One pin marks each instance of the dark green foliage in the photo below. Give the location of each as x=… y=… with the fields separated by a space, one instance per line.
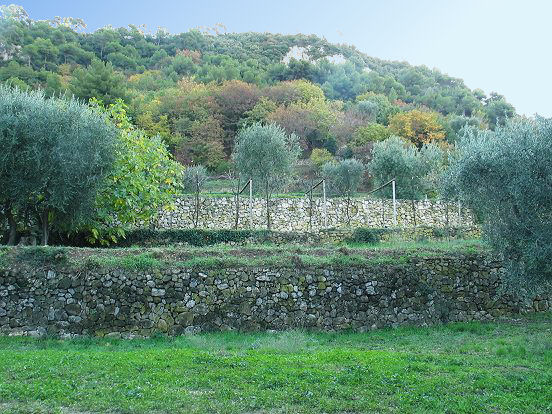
x=194 y=237
x=98 y=81
x=41 y=256
x=367 y=235
x=153 y=72
x=497 y=110
x=504 y=176
x=251 y=57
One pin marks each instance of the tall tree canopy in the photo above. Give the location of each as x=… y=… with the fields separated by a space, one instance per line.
x=412 y=169
x=505 y=177
x=54 y=159
x=144 y=179
x=266 y=154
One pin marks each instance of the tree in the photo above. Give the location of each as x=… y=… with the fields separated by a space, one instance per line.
x=98 y=81
x=343 y=178
x=395 y=158
x=419 y=127
x=321 y=156
x=193 y=181
x=259 y=113
x=55 y=157
x=370 y=133
x=203 y=144
x=42 y=53
x=308 y=91
x=497 y=110
x=266 y=154
x=15 y=82
x=234 y=99
x=310 y=121
x=504 y=177
x=376 y=105
x=144 y=179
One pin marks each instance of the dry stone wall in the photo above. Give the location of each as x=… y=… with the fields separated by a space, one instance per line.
x=298 y=215
x=175 y=300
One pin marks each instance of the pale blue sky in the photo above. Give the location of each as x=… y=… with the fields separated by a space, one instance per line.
x=495 y=45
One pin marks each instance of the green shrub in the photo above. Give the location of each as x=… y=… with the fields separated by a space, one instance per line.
x=194 y=237
x=3 y=260
x=41 y=256
x=367 y=235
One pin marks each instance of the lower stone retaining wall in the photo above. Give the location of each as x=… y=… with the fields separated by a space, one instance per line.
x=421 y=291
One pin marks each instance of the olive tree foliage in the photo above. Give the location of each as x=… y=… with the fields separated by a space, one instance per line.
x=505 y=177
x=266 y=154
x=55 y=155
x=414 y=170
x=194 y=179
x=344 y=178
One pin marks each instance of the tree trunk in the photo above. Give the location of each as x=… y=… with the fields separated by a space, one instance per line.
x=347 y=211
x=310 y=205
x=237 y=199
x=196 y=218
x=267 y=207
x=447 y=220
x=12 y=226
x=45 y=229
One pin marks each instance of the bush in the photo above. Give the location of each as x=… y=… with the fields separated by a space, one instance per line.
x=370 y=133
x=41 y=256
x=367 y=235
x=194 y=237
x=321 y=156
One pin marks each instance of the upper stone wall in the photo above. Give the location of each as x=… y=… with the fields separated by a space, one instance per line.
x=298 y=215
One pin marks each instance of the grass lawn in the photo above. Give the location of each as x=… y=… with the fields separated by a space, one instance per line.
x=503 y=367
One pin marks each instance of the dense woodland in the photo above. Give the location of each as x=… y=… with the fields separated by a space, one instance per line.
x=197 y=89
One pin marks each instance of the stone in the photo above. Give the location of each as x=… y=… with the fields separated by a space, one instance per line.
x=73 y=309
x=184 y=319
x=432 y=290
x=64 y=283
x=157 y=292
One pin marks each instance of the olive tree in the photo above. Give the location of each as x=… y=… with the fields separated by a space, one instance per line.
x=413 y=169
x=266 y=154
x=194 y=179
x=55 y=155
x=343 y=179
x=505 y=177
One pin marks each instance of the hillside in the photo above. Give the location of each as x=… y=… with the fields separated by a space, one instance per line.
x=197 y=89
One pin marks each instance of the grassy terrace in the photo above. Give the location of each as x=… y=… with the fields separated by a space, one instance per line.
x=228 y=256
x=503 y=367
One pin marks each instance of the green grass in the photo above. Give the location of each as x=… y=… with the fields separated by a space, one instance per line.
x=503 y=367
x=253 y=255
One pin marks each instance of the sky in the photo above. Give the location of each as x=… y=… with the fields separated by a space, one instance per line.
x=495 y=45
